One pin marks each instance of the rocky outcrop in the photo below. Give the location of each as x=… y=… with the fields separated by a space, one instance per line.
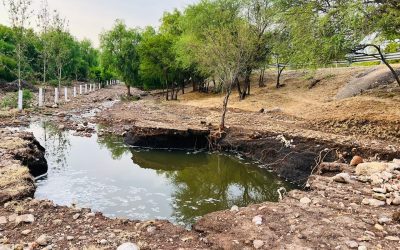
x=21 y=158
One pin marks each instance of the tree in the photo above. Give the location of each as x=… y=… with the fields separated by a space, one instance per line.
x=60 y=43
x=19 y=14
x=43 y=22
x=119 y=53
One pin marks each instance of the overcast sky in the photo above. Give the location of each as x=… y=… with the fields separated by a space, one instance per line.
x=88 y=18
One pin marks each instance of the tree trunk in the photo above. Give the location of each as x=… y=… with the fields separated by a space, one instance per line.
x=19 y=66
x=238 y=87
x=246 y=88
x=261 y=79
x=129 y=90
x=278 y=79
x=225 y=106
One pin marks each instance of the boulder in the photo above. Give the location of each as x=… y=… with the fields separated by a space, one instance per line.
x=356 y=160
x=369 y=168
x=342 y=178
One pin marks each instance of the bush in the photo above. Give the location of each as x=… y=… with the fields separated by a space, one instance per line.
x=11 y=99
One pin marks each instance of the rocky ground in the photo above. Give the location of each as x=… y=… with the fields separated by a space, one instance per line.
x=345 y=204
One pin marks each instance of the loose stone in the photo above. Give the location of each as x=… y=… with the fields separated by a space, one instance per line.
x=43 y=240
x=234 y=208
x=258 y=244
x=257 y=220
x=342 y=178
x=128 y=246
x=305 y=200
x=352 y=244
x=27 y=218
x=26 y=232
x=3 y=220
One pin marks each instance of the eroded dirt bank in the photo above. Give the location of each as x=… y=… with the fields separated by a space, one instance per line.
x=355 y=209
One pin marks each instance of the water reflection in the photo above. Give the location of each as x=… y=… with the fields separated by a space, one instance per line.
x=106 y=175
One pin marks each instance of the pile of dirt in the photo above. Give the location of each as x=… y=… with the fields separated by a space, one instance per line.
x=13 y=86
x=21 y=158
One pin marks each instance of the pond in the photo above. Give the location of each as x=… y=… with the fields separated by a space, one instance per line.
x=104 y=174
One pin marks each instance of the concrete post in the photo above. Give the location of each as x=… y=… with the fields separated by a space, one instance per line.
x=66 y=94
x=40 y=97
x=20 y=101
x=80 y=89
x=55 y=95
x=86 y=88
x=74 y=91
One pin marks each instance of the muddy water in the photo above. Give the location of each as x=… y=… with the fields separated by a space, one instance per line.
x=108 y=176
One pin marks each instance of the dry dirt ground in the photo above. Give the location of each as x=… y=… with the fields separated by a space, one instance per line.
x=357 y=209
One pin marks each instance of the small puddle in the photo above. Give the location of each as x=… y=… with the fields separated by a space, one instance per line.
x=108 y=176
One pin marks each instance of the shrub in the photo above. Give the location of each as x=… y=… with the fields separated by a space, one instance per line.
x=11 y=99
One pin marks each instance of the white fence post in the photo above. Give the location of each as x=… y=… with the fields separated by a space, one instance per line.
x=66 y=94
x=74 y=91
x=85 y=88
x=20 y=102
x=80 y=89
x=55 y=95
x=99 y=85
x=90 y=87
x=40 y=97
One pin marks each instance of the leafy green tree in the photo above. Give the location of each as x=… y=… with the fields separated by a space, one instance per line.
x=119 y=47
x=19 y=15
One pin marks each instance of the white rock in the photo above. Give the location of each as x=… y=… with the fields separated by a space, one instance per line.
x=26 y=232
x=352 y=244
x=3 y=220
x=362 y=248
x=305 y=200
x=384 y=220
x=376 y=203
x=342 y=178
x=378 y=227
x=257 y=220
x=103 y=241
x=43 y=240
x=27 y=218
x=234 y=208
x=396 y=201
x=258 y=244
x=128 y=246
x=379 y=196
x=379 y=190
x=392 y=238
x=76 y=216
x=69 y=238
x=90 y=215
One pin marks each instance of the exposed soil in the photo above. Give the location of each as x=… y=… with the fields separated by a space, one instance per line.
x=299 y=131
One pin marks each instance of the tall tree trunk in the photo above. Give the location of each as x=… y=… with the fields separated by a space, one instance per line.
x=278 y=79
x=261 y=82
x=238 y=86
x=19 y=66
x=225 y=106
x=129 y=90
x=246 y=88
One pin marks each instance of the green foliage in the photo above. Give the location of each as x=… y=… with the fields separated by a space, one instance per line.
x=11 y=99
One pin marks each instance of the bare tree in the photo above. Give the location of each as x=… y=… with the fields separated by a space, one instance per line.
x=360 y=50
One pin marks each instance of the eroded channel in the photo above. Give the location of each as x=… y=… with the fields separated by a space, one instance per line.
x=104 y=174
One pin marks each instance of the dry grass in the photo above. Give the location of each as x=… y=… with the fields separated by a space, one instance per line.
x=12 y=143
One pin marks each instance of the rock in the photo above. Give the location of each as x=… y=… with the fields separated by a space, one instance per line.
x=384 y=220
x=392 y=238
x=235 y=209
x=396 y=201
x=378 y=196
x=43 y=240
x=369 y=168
x=352 y=244
x=342 y=178
x=375 y=203
x=379 y=190
x=305 y=200
x=128 y=246
x=356 y=160
x=69 y=238
x=3 y=220
x=257 y=220
x=90 y=215
x=57 y=222
x=258 y=244
x=26 y=232
x=103 y=241
x=362 y=248
x=27 y=218
x=378 y=227
x=76 y=216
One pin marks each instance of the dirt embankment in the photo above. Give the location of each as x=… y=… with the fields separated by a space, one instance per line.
x=21 y=158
